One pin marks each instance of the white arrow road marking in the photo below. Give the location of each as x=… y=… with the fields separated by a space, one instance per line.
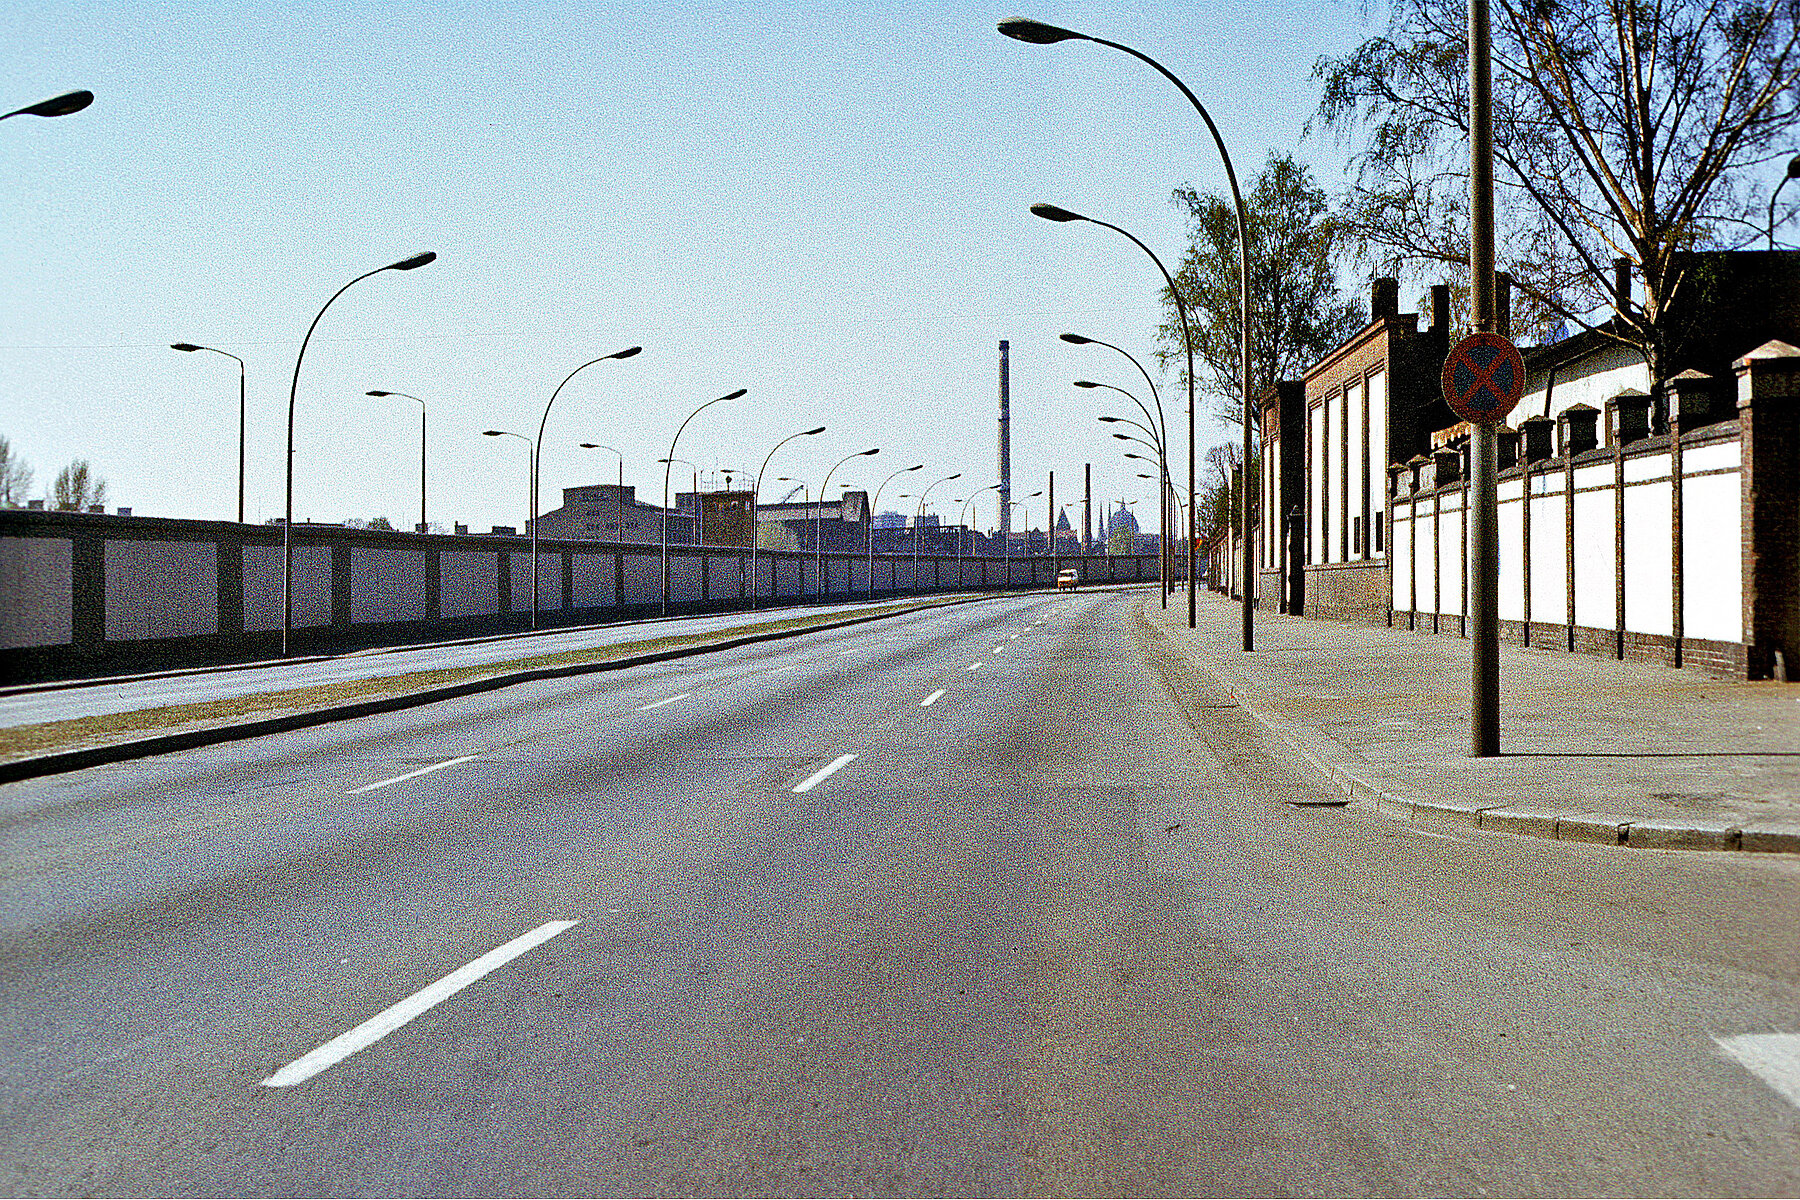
x=448 y=762
x=819 y=776
x=1773 y=1058
x=385 y=1022
x=932 y=699
x=660 y=703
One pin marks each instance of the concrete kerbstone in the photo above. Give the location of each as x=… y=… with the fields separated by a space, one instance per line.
x=1455 y=812
x=1601 y=829
x=1534 y=822
x=1771 y=837
x=1687 y=833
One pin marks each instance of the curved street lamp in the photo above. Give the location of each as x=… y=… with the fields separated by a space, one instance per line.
x=819 y=518
x=1161 y=423
x=962 y=523
x=537 y=459
x=1161 y=447
x=422 y=526
x=755 y=492
x=287 y=523
x=189 y=348
x=919 y=525
x=872 y=502
x=530 y=461
x=56 y=106
x=1793 y=172
x=665 y=496
x=619 y=498
x=1024 y=534
x=1038 y=33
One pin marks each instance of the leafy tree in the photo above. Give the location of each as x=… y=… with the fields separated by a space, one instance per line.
x=381 y=523
x=1218 y=501
x=1296 y=313
x=77 y=487
x=15 y=476
x=1627 y=129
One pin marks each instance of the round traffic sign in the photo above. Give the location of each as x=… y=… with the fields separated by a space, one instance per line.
x=1484 y=376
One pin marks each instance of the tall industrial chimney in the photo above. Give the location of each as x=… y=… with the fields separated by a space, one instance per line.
x=1005 y=447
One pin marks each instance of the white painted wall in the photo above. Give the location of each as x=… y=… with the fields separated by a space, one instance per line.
x=387 y=585
x=468 y=583
x=262 y=587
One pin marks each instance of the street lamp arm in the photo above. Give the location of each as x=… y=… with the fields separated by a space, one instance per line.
x=1162 y=422
x=626 y=353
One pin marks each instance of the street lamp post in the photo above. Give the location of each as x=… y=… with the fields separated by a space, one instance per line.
x=619 y=497
x=919 y=525
x=819 y=518
x=872 y=510
x=665 y=496
x=189 y=347
x=538 y=458
x=1161 y=447
x=1024 y=534
x=287 y=523
x=531 y=461
x=421 y=404
x=755 y=491
x=962 y=523
x=1793 y=172
x=56 y=106
x=1038 y=33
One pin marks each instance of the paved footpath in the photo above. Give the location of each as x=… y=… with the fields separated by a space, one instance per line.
x=1592 y=749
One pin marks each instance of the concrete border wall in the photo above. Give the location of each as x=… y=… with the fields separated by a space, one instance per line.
x=84 y=591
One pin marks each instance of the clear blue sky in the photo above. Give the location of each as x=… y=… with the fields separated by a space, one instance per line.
x=825 y=204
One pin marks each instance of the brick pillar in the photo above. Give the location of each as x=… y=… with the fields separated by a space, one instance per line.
x=1768 y=402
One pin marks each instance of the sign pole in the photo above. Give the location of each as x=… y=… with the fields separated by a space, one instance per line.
x=1484 y=523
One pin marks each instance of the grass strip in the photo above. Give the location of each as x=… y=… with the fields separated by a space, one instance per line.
x=22 y=741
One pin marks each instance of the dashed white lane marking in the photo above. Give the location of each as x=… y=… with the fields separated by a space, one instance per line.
x=852 y=650
x=660 y=703
x=974 y=666
x=448 y=762
x=385 y=1022
x=819 y=776
x=999 y=648
x=1773 y=1058
x=1011 y=636
x=789 y=667
x=932 y=699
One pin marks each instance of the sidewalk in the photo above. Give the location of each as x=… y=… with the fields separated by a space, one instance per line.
x=1592 y=749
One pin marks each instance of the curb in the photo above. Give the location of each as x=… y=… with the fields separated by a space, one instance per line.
x=63 y=761
x=1351 y=775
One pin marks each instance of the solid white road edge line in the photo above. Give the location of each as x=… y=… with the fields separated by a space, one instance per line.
x=385 y=1022
x=448 y=762
x=660 y=703
x=819 y=776
x=1773 y=1058
x=932 y=699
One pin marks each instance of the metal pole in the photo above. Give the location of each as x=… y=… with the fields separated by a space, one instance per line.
x=243 y=427
x=1484 y=525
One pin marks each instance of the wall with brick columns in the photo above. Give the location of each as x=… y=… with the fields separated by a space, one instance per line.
x=1768 y=401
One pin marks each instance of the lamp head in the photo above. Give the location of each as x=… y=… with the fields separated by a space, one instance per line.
x=56 y=106
x=590 y=445
x=948 y=478
x=1123 y=437
x=1793 y=170
x=736 y=394
x=493 y=433
x=378 y=393
x=810 y=432
x=1024 y=29
x=1075 y=339
x=627 y=352
x=1109 y=420
x=1052 y=213
x=866 y=453
x=184 y=346
x=417 y=260
x=1086 y=383
x=916 y=467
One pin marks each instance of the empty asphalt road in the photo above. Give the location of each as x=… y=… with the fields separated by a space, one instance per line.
x=999 y=898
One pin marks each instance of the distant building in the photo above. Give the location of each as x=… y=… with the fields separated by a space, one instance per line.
x=606 y=512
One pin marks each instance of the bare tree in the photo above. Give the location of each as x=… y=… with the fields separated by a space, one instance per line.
x=77 y=487
x=1623 y=129
x=1296 y=314
x=15 y=476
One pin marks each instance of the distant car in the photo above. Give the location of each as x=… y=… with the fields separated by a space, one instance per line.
x=1068 y=580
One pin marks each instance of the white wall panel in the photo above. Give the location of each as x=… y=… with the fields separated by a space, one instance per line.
x=469 y=583
x=37 y=587
x=1649 y=591
x=387 y=585
x=262 y=587
x=1595 y=604
x=1712 y=558
x=591 y=583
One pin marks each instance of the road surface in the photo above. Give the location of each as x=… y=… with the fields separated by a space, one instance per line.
x=993 y=899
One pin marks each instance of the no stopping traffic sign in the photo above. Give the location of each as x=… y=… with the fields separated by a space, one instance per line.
x=1484 y=377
